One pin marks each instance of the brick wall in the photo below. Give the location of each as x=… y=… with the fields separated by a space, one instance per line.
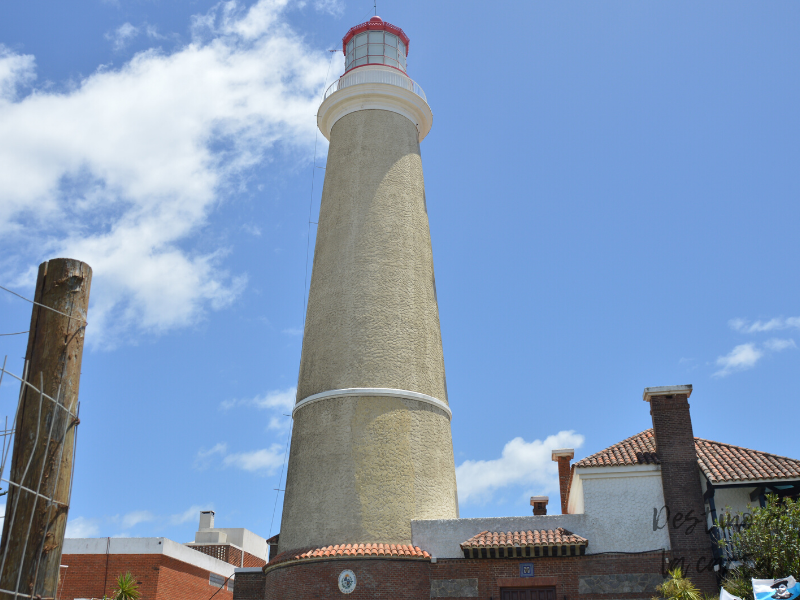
x=376 y=579
x=250 y=586
x=591 y=577
x=229 y=554
x=161 y=577
x=684 y=510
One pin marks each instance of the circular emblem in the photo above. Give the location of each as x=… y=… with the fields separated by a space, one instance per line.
x=347 y=581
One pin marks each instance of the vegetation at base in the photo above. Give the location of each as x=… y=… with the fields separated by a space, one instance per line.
x=678 y=587
x=766 y=546
x=127 y=588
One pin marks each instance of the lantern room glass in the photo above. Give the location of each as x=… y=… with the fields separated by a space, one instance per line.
x=376 y=48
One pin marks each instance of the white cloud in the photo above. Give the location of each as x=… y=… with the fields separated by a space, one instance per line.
x=266 y=460
x=124 y=170
x=292 y=331
x=190 y=514
x=333 y=7
x=745 y=356
x=81 y=527
x=203 y=458
x=16 y=70
x=134 y=518
x=778 y=323
x=521 y=463
x=122 y=35
x=281 y=402
x=776 y=345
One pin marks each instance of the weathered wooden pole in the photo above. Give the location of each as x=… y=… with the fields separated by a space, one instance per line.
x=41 y=463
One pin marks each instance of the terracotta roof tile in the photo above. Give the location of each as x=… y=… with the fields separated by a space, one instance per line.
x=542 y=537
x=721 y=463
x=365 y=550
x=639 y=449
x=725 y=462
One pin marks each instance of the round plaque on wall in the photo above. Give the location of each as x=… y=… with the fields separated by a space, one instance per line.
x=347 y=581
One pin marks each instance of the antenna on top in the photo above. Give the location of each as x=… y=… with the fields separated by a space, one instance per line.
x=375 y=6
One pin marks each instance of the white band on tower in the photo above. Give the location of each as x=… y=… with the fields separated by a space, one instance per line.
x=391 y=392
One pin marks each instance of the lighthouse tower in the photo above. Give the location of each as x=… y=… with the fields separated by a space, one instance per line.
x=371 y=444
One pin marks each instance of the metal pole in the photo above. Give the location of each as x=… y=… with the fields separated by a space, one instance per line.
x=44 y=441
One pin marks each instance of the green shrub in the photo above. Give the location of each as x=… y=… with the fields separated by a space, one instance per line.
x=767 y=546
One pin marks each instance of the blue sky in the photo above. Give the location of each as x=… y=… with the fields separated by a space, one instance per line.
x=613 y=197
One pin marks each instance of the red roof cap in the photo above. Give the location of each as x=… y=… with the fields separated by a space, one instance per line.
x=374 y=24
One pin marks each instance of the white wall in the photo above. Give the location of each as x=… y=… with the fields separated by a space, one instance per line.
x=148 y=546
x=619 y=503
x=732 y=500
x=247 y=540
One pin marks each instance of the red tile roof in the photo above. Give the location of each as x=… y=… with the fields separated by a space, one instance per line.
x=724 y=462
x=639 y=449
x=721 y=463
x=357 y=550
x=542 y=537
x=352 y=551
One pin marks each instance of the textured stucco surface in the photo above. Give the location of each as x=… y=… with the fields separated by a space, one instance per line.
x=372 y=316
x=361 y=468
x=618 y=505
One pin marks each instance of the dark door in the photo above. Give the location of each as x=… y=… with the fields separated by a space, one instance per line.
x=542 y=593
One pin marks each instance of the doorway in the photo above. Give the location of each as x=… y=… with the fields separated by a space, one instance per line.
x=534 y=593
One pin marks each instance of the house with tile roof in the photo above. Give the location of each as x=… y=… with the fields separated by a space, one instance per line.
x=732 y=480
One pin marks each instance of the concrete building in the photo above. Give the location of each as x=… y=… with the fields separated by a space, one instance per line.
x=371 y=506
x=237 y=546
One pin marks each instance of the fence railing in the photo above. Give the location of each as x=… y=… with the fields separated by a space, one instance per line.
x=359 y=76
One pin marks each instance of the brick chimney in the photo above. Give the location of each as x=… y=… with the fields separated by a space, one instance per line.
x=539 y=504
x=683 y=497
x=562 y=457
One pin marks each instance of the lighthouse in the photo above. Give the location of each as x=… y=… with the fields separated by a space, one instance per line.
x=371 y=444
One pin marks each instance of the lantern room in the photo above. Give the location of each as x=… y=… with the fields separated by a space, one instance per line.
x=375 y=42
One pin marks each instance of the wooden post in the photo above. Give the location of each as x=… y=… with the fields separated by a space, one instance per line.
x=41 y=463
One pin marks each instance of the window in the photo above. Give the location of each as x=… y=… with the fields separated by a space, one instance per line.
x=375 y=48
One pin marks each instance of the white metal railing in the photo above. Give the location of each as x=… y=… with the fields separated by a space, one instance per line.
x=375 y=76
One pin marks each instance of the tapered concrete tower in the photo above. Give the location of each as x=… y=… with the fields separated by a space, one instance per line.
x=371 y=444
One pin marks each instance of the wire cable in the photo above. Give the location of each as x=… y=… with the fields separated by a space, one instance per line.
x=42 y=305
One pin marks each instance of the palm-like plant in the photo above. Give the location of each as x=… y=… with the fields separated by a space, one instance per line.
x=127 y=588
x=678 y=587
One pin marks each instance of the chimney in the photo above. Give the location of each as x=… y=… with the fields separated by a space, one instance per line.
x=562 y=456
x=672 y=427
x=539 y=504
x=206 y=519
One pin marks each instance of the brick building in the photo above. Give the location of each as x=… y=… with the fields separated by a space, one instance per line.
x=164 y=570
x=616 y=538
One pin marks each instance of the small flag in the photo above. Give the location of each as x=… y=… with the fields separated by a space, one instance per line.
x=723 y=595
x=785 y=588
